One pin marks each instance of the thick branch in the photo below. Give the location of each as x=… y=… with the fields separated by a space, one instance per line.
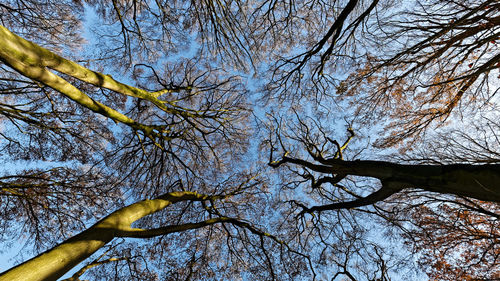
x=55 y=262
x=33 y=54
x=148 y=233
x=373 y=198
x=34 y=62
x=334 y=31
x=475 y=181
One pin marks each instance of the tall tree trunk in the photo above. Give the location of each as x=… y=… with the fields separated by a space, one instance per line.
x=476 y=181
x=55 y=262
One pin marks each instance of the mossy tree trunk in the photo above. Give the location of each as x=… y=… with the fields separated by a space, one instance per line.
x=55 y=262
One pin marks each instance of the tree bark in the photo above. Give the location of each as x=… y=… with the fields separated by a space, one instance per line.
x=475 y=181
x=55 y=262
x=35 y=62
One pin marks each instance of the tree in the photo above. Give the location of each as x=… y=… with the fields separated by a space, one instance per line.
x=417 y=69
x=441 y=57
x=173 y=141
x=177 y=150
x=455 y=234
x=319 y=45
x=55 y=262
x=475 y=181
x=458 y=239
x=164 y=145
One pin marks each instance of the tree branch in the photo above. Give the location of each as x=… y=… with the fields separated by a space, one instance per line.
x=148 y=233
x=373 y=198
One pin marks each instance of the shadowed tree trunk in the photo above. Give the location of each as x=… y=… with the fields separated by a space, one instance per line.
x=475 y=181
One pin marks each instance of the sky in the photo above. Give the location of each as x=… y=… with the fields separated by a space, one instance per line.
x=91 y=20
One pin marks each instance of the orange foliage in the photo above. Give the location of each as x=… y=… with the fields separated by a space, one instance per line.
x=457 y=242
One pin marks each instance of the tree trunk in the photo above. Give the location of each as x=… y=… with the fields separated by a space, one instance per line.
x=55 y=262
x=476 y=181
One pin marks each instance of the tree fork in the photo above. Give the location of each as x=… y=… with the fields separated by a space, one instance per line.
x=55 y=262
x=475 y=181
